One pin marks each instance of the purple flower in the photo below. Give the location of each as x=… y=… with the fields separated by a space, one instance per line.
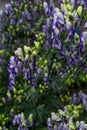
x=81 y=126
x=80 y=2
x=47 y=8
x=84 y=35
x=72 y=2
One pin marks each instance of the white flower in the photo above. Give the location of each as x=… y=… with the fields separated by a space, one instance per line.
x=19 y=53
x=26 y=56
x=1 y=12
x=68 y=24
x=85 y=25
x=22 y=117
x=54 y=116
x=84 y=35
x=45 y=5
x=12 y=61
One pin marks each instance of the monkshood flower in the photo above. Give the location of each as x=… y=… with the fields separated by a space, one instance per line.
x=26 y=63
x=81 y=126
x=59 y=18
x=49 y=124
x=22 y=63
x=1 y=12
x=56 y=122
x=19 y=64
x=80 y=98
x=74 y=98
x=72 y=2
x=13 y=69
x=21 y=19
x=64 y=119
x=19 y=53
x=47 y=8
x=8 y=8
x=65 y=35
x=22 y=123
x=84 y=35
x=82 y=2
x=85 y=25
x=79 y=10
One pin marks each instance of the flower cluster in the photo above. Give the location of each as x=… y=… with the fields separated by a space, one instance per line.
x=21 y=122
x=65 y=33
x=80 y=98
x=28 y=64
x=64 y=118
x=45 y=52
x=19 y=64
x=21 y=18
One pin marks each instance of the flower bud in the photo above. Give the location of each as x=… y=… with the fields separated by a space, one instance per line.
x=69 y=7
x=30 y=119
x=37 y=44
x=34 y=53
x=0 y=128
x=26 y=49
x=8 y=94
x=3 y=100
x=79 y=10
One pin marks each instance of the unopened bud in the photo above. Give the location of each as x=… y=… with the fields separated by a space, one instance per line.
x=79 y=10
